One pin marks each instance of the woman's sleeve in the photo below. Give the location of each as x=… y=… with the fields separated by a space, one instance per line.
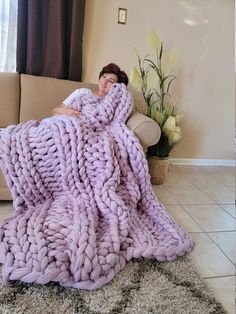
x=69 y=100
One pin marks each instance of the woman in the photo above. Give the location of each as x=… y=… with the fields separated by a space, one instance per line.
x=109 y=75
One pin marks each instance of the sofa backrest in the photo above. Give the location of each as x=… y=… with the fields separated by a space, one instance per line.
x=39 y=95
x=9 y=99
x=25 y=97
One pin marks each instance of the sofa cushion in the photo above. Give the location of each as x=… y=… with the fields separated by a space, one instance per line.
x=4 y=191
x=39 y=95
x=9 y=99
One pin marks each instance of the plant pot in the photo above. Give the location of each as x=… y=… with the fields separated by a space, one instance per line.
x=158 y=168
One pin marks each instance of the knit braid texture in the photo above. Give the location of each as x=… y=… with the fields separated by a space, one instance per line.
x=82 y=197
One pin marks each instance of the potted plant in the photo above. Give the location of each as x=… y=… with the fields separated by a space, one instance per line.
x=154 y=78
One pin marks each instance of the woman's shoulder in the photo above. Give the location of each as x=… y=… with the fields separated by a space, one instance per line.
x=75 y=94
x=83 y=90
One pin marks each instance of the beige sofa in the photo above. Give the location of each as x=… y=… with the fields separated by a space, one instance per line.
x=26 y=97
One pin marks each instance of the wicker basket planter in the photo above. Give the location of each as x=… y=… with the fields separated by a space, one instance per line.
x=158 y=168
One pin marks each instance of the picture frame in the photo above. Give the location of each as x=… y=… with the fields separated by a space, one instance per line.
x=122 y=16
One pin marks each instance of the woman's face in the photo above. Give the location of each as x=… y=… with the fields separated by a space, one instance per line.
x=105 y=82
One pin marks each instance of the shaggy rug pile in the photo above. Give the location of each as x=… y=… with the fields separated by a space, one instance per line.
x=83 y=199
x=143 y=287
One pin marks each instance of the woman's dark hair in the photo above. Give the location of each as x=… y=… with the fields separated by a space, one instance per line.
x=114 y=69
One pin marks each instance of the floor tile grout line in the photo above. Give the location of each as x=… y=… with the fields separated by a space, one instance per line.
x=226 y=231
x=200 y=204
x=201 y=189
x=226 y=210
x=196 y=204
x=192 y=218
x=217 y=231
x=196 y=232
x=219 y=248
x=221 y=276
x=171 y=195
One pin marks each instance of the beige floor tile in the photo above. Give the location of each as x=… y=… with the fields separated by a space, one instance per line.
x=226 y=242
x=188 y=194
x=202 y=179
x=211 y=217
x=163 y=195
x=225 y=175
x=209 y=258
x=214 y=170
x=232 y=188
x=209 y=169
x=172 y=168
x=188 y=169
x=221 y=194
x=182 y=218
x=176 y=178
x=224 y=289
x=227 y=179
x=230 y=208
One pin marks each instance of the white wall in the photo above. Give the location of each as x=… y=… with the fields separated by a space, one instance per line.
x=203 y=34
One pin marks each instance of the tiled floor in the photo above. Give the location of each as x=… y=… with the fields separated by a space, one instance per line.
x=202 y=200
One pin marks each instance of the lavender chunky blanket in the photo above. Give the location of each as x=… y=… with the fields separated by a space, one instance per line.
x=83 y=200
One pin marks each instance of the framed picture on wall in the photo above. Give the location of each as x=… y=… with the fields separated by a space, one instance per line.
x=122 y=15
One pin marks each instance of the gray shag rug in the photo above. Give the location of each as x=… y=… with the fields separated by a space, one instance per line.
x=144 y=286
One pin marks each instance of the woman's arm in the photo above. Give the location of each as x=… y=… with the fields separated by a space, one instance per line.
x=65 y=110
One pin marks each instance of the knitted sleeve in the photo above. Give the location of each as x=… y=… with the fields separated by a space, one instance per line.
x=76 y=93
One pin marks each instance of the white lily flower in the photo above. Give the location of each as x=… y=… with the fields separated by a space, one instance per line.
x=169 y=125
x=136 y=79
x=152 y=79
x=153 y=41
x=173 y=57
x=159 y=117
x=165 y=64
x=175 y=135
x=178 y=118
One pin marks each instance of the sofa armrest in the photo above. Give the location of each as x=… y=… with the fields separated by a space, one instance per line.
x=147 y=130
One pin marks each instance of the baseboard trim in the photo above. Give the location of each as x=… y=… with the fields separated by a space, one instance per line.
x=202 y=162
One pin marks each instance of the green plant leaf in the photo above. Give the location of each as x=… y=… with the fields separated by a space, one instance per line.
x=168 y=87
x=161 y=51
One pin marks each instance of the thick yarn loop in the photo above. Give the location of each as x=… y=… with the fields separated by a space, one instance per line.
x=83 y=200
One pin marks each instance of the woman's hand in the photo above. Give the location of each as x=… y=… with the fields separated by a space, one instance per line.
x=64 y=110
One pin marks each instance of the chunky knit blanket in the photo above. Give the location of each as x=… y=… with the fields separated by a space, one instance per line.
x=83 y=200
